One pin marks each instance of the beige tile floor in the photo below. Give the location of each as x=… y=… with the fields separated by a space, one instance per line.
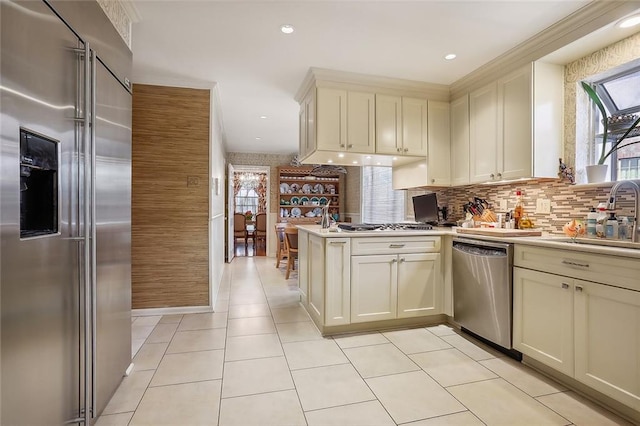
x=259 y=360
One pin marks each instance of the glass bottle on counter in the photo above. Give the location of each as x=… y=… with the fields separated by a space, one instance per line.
x=518 y=211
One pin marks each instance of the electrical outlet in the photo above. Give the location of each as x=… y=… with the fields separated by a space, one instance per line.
x=543 y=206
x=503 y=205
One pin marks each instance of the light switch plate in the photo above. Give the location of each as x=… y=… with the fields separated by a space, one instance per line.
x=503 y=205
x=543 y=206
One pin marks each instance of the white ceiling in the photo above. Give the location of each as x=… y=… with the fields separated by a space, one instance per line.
x=258 y=69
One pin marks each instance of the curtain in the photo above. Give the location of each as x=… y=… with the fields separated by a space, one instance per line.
x=262 y=189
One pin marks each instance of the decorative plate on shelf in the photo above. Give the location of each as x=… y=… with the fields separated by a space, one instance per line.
x=296 y=212
x=317 y=211
x=310 y=213
x=323 y=201
x=295 y=201
x=306 y=188
x=329 y=187
x=295 y=188
x=315 y=201
x=318 y=189
x=304 y=200
x=284 y=188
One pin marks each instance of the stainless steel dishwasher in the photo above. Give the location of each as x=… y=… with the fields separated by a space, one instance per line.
x=482 y=288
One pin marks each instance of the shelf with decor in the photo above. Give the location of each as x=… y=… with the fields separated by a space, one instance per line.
x=302 y=194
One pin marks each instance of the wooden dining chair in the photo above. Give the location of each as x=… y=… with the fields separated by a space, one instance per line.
x=281 y=249
x=291 y=243
x=240 y=229
x=260 y=233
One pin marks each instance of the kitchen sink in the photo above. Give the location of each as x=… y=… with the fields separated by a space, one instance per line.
x=597 y=242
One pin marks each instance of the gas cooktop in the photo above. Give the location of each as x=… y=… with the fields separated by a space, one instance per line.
x=385 y=227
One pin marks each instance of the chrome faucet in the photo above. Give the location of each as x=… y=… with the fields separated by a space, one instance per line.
x=612 y=203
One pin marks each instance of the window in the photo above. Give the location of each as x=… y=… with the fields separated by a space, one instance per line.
x=629 y=168
x=620 y=94
x=246 y=200
x=380 y=202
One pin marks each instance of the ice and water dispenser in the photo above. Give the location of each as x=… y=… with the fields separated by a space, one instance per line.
x=39 y=191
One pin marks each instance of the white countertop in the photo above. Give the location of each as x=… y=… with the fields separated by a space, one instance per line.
x=550 y=241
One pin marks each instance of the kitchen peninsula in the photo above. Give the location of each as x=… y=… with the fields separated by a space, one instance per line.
x=373 y=279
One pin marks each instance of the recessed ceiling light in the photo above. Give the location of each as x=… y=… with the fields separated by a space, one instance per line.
x=450 y=56
x=258 y=139
x=394 y=158
x=354 y=162
x=287 y=29
x=378 y=163
x=341 y=155
x=368 y=157
x=263 y=117
x=329 y=161
x=630 y=21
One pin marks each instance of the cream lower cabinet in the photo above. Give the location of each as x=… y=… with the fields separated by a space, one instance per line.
x=303 y=267
x=328 y=275
x=390 y=286
x=586 y=330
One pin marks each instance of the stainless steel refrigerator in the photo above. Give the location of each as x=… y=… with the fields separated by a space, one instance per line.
x=65 y=212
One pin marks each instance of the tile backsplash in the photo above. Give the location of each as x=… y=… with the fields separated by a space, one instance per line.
x=567 y=201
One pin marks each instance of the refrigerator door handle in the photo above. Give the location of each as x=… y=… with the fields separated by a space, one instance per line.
x=86 y=185
x=93 y=227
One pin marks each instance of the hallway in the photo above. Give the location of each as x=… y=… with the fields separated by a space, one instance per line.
x=259 y=360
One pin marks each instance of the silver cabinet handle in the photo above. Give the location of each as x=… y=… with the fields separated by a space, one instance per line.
x=499 y=175
x=394 y=260
x=396 y=245
x=402 y=259
x=337 y=242
x=579 y=288
x=398 y=149
x=341 y=145
x=572 y=263
x=492 y=176
x=406 y=150
x=350 y=145
x=565 y=286
x=433 y=181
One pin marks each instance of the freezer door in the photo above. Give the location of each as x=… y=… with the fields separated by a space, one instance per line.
x=113 y=234
x=40 y=317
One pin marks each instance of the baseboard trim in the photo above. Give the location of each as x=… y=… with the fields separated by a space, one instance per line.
x=171 y=311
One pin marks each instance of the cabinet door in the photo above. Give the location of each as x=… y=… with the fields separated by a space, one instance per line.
x=338 y=274
x=515 y=121
x=419 y=284
x=316 y=278
x=414 y=127
x=374 y=290
x=483 y=134
x=543 y=318
x=607 y=340
x=303 y=266
x=439 y=146
x=310 y=107
x=331 y=124
x=460 y=141
x=361 y=122
x=388 y=124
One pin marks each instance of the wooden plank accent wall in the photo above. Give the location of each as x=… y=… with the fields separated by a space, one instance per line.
x=170 y=197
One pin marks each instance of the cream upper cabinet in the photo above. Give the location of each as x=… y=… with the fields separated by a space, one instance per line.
x=401 y=125
x=439 y=144
x=345 y=121
x=483 y=133
x=414 y=127
x=515 y=125
x=307 y=124
x=388 y=124
x=460 y=141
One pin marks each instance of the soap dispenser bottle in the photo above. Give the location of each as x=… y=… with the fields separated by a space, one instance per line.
x=612 y=226
x=592 y=219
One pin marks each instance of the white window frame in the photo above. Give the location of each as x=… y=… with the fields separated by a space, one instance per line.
x=379 y=202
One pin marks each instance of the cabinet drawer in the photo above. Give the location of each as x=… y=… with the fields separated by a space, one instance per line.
x=394 y=245
x=612 y=270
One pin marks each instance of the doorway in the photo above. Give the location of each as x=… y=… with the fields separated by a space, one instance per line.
x=249 y=202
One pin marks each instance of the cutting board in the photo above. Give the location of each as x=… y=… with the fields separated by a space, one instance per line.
x=499 y=232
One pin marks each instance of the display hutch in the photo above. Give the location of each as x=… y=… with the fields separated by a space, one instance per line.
x=303 y=194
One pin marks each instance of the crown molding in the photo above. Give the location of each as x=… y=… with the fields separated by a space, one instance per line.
x=593 y=16
x=322 y=77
